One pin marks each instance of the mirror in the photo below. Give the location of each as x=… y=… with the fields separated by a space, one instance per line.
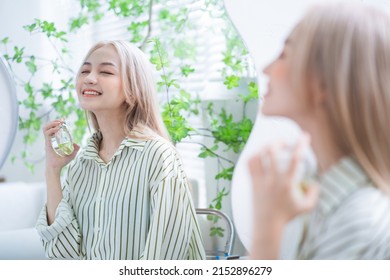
x=263 y=28
x=8 y=111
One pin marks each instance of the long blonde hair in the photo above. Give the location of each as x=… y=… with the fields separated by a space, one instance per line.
x=345 y=48
x=143 y=118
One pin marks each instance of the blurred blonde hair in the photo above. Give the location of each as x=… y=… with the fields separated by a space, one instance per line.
x=143 y=118
x=345 y=49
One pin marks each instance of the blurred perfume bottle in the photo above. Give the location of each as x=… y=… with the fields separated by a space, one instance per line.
x=305 y=174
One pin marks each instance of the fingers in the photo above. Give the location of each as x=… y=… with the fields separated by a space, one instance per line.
x=51 y=128
x=76 y=148
x=255 y=165
x=272 y=157
x=277 y=160
x=52 y=124
x=296 y=155
x=266 y=160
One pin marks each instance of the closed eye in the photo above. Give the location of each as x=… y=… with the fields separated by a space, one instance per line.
x=106 y=73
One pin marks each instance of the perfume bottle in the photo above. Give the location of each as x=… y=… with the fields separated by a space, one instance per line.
x=305 y=173
x=62 y=141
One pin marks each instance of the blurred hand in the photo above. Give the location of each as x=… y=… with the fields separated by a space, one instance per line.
x=54 y=161
x=274 y=197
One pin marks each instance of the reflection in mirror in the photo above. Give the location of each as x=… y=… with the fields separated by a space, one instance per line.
x=205 y=76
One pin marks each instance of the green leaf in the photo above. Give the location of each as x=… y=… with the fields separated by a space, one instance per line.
x=231 y=81
x=67 y=84
x=164 y=14
x=185 y=49
x=92 y=5
x=48 y=28
x=30 y=28
x=5 y=40
x=186 y=70
x=47 y=90
x=159 y=57
x=127 y=8
x=221 y=194
x=136 y=28
x=18 y=56
x=36 y=123
x=253 y=93
x=226 y=173
x=61 y=35
x=77 y=23
x=98 y=16
x=206 y=152
x=30 y=103
x=28 y=88
x=30 y=167
x=31 y=66
x=217 y=231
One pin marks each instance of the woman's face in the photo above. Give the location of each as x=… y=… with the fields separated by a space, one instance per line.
x=99 y=84
x=280 y=98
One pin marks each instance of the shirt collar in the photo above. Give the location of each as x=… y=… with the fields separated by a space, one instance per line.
x=339 y=182
x=91 y=150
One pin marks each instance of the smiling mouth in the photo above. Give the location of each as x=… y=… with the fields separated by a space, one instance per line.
x=91 y=93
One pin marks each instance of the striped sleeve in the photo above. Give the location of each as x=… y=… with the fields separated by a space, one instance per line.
x=173 y=232
x=359 y=230
x=61 y=239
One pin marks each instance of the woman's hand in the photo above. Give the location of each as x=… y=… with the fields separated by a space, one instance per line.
x=53 y=161
x=274 y=198
x=273 y=189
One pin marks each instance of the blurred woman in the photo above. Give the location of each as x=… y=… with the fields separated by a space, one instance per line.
x=333 y=79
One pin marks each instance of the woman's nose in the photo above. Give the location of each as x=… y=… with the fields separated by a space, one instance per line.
x=90 y=78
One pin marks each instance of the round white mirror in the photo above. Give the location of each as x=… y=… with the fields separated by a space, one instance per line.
x=8 y=111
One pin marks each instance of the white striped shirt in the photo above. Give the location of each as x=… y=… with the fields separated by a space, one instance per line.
x=137 y=206
x=352 y=219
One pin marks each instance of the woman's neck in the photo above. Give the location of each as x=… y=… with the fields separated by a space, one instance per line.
x=324 y=144
x=112 y=129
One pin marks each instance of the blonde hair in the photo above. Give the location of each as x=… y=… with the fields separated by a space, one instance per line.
x=345 y=49
x=143 y=118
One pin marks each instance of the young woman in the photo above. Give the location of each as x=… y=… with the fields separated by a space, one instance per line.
x=332 y=78
x=125 y=196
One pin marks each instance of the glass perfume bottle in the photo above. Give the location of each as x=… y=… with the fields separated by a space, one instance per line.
x=305 y=173
x=62 y=141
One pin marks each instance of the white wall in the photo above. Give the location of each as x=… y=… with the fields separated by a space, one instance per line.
x=14 y=14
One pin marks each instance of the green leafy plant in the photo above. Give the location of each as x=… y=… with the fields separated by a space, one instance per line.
x=173 y=50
